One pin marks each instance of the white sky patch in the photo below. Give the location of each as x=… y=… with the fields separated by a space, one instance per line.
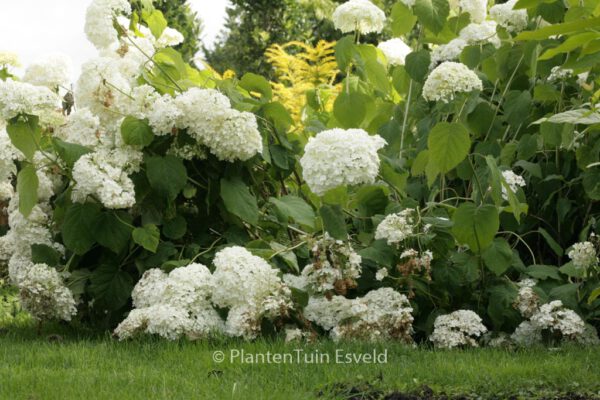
x=37 y=28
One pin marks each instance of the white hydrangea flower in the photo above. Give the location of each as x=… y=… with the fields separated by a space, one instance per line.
x=163 y=115
x=527 y=334
x=514 y=182
x=328 y=313
x=99 y=21
x=449 y=79
x=395 y=51
x=169 y=37
x=189 y=287
x=52 y=72
x=358 y=15
x=294 y=335
x=105 y=174
x=583 y=255
x=163 y=320
x=482 y=33
x=447 y=52
x=381 y=274
x=24 y=98
x=460 y=328
x=250 y=288
x=150 y=288
x=507 y=17
x=558 y=319
x=335 y=266
x=398 y=227
x=477 y=9
x=9 y=59
x=82 y=127
x=340 y=157
x=527 y=301
x=559 y=74
x=8 y=155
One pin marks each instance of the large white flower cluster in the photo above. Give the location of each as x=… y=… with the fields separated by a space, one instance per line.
x=250 y=288
x=448 y=79
x=507 y=17
x=554 y=319
x=583 y=255
x=477 y=9
x=52 y=72
x=460 y=328
x=447 y=52
x=9 y=59
x=173 y=305
x=100 y=21
x=395 y=51
x=396 y=228
x=358 y=15
x=480 y=33
x=340 y=157
x=335 y=267
x=104 y=175
x=382 y=314
x=82 y=128
x=22 y=97
x=513 y=181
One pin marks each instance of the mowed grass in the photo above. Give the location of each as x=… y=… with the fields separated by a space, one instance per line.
x=77 y=366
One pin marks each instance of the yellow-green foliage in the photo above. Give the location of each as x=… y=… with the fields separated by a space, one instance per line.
x=300 y=68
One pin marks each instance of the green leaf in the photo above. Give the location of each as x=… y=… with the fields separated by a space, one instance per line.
x=517 y=106
x=176 y=228
x=110 y=286
x=147 y=236
x=78 y=229
x=69 y=152
x=559 y=29
x=334 y=222
x=156 y=22
x=113 y=230
x=551 y=242
x=500 y=305
x=594 y=295
x=167 y=175
x=567 y=294
x=417 y=65
x=449 y=145
x=349 y=109
x=543 y=272
x=27 y=187
x=570 y=44
x=432 y=13
x=344 y=51
x=591 y=183
x=403 y=20
x=136 y=132
x=43 y=254
x=476 y=226
x=498 y=257
x=25 y=134
x=377 y=75
x=256 y=83
x=239 y=201
x=295 y=208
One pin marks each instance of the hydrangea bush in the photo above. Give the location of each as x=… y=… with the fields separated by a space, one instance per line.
x=450 y=194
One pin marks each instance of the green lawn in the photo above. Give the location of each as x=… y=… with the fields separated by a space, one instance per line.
x=87 y=367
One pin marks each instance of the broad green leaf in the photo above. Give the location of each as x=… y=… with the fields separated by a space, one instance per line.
x=25 y=134
x=559 y=29
x=69 y=152
x=147 y=236
x=403 y=20
x=417 y=65
x=594 y=295
x=239 y=201
x=156 y=22
x=175 y=228
x=295 y=208
x=344 y=51
x=581 y=116
x=498 y=256
x=78 y=229
x=551 y=242
x=476 y=226
x=167 y=175
x=570 y=44
x=500 y=305
x=256 y=83
x=543 y=272
x=349 y=109
x=110 y=286
x=567 y=294
x=136 y=132
x=27 y=187
x=334 y=222
x=591 y=183
x=113 y=230
x=449 y=145
x=432 y=13
x=377 y=75
x=43 y=254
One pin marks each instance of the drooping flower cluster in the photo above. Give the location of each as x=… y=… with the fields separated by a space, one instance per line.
x=358 y=15
x=100 y=21
x=447 y=52
x=24 y=98
x=559 y=73
x=480 y=33
x=250 y=288
x=52 y=72
x=335 y=267
x=477 y=9
x=460 y=328
x=382 y=314
x=395 y=228
x=173 y=305
x=552 y=319
x=395 y=51
x=513 y=181
x=449 y=79
x=507 y=17
x=340 y=157
x=583 y=255
x=527 y=301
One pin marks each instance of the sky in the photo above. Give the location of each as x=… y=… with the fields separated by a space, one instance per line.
x=34 y=28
